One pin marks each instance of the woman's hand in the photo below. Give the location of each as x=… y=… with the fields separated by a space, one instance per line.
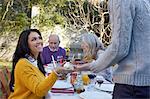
x=63 y=70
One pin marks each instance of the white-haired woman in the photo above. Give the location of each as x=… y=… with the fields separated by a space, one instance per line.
x=92 y=49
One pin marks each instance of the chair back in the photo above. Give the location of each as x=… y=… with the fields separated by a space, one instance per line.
x=4 y=82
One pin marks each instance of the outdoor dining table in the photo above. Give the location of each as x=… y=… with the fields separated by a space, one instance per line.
x=92 y=91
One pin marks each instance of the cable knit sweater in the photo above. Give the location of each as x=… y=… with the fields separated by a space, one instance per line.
x=130 y=48
x=30 y=83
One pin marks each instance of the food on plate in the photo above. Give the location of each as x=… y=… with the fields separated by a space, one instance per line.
x=69 y=66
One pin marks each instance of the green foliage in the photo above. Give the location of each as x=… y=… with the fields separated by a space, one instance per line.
x=14 y=18
x=48 y=17
x=18 y=16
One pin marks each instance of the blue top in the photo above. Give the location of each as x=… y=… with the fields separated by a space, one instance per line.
x=47 y=55
x=130 y=47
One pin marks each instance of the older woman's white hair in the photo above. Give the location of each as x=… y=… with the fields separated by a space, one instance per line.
x=94 y=44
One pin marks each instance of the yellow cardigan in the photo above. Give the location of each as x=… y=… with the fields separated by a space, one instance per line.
x=30 y=83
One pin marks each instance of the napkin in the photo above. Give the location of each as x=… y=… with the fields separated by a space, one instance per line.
x=63 y=90
x=61 y=86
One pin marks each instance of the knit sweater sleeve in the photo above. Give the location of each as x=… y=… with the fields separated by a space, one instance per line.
x=33 y=79
x=121 y=15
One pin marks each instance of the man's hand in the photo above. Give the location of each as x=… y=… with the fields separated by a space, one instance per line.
x=83 y=67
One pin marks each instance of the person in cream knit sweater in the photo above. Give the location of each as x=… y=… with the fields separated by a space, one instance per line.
x=130 y=49
x=28 y=79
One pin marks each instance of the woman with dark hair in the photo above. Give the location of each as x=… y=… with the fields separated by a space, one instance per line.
x=27 y=77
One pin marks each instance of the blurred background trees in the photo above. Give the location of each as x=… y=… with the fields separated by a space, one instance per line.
x=88 y=15
x=73 y=16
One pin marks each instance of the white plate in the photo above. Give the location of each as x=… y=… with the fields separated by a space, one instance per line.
x=105 y=87
x=95 y=95
x=62 y=84
x=48 y=68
